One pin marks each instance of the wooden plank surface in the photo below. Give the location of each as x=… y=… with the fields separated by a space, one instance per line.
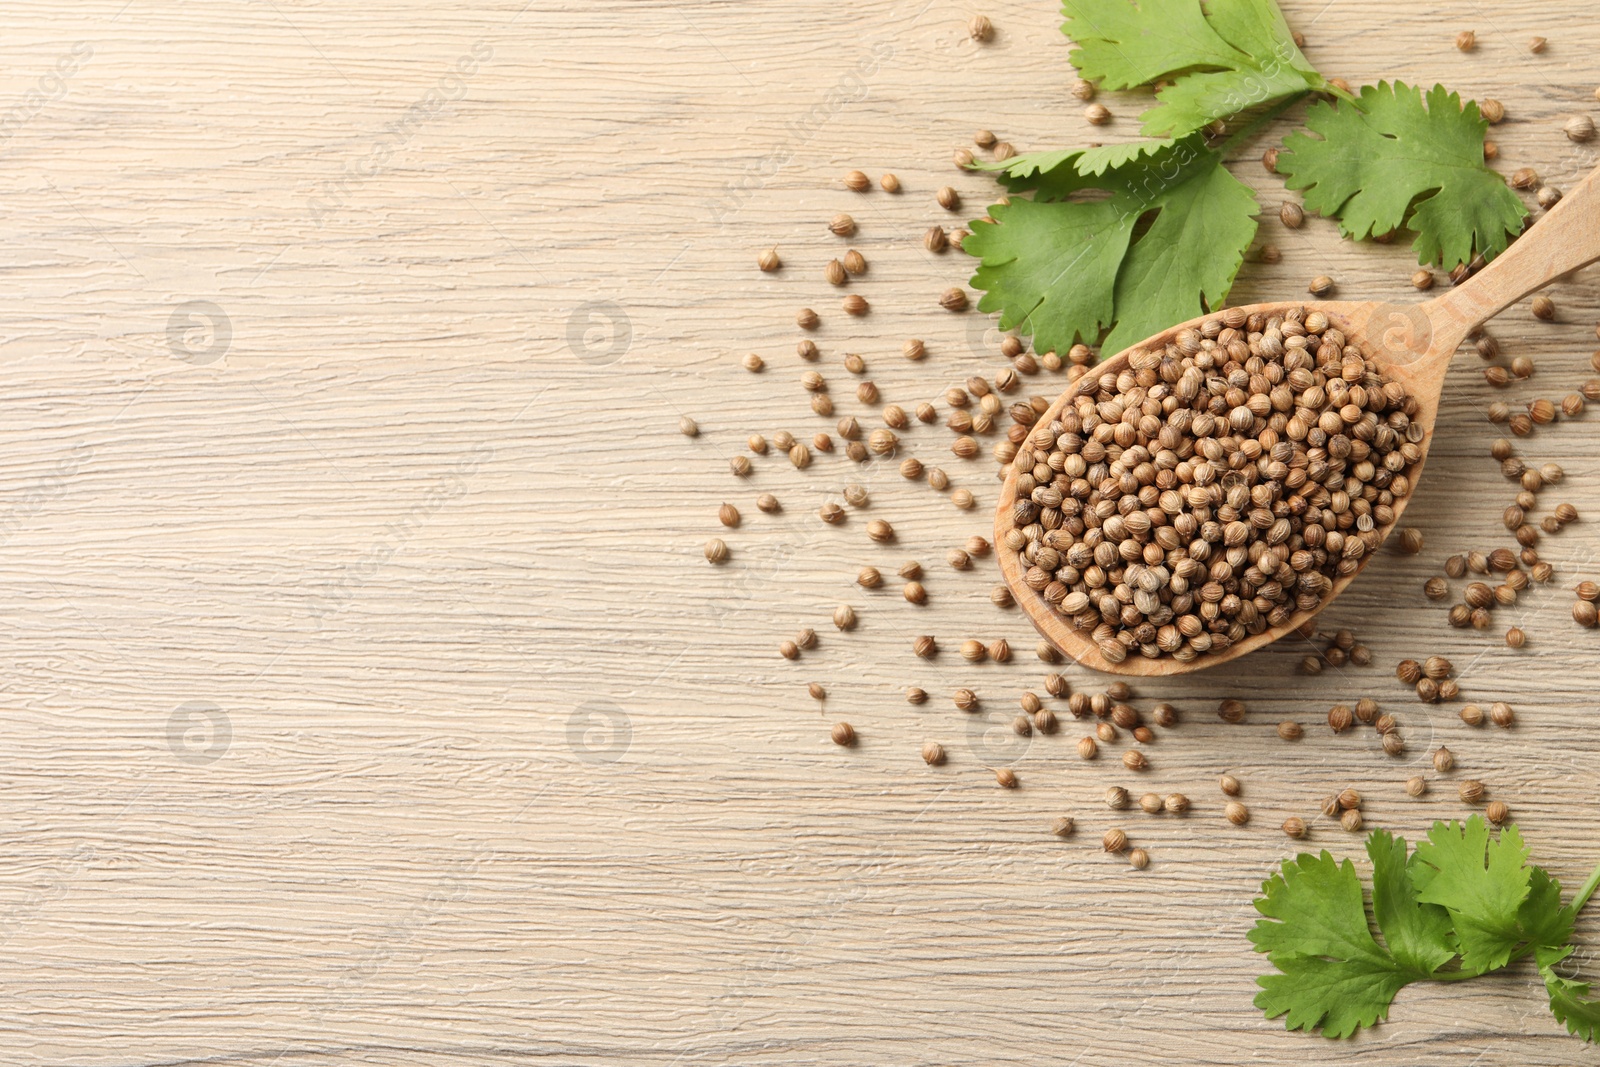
x=368 y=700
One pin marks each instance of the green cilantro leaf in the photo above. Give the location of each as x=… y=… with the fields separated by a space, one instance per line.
x=1161 y=243
x=1418 y=934
x=1333 y=974
x=1482 y=881
x=1236 y=56
x=1386 y=161
x=1568 y=996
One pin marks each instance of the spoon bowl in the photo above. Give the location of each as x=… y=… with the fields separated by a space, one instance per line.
x=1411 y=343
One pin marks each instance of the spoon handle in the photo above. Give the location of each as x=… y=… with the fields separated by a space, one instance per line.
x=1568 y=237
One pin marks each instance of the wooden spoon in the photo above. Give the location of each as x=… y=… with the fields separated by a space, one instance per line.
x=1412 y=343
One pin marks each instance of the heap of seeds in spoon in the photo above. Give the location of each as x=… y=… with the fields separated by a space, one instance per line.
x=1216 y=487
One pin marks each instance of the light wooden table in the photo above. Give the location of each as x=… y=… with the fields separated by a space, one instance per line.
x=367 y=698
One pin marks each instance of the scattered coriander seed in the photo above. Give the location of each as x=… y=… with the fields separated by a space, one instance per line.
x=954 y=299
x=740 y=466
x=1587 y=590
x=1524 y=178
x=963 y=499
x=1088 y=748
x=1544 y=309
x=1082 y=89
x=1321 y=285
x=856 y=495
x=817 y=691
x=1005 y=777
x=831 y=513
x=965 y=699
x=1456 y=566
x=1229 y=785
x=1097 y=114
x=948 y=198
x=962 y=158
x=935 y=240
x=1340 y=718
x=1236 y=813
x=834 y=273
x=1292 y=215
x=855 y=304
x=1047 y=652
x=916 y=593
x=1408 y=671
x=1411 y=540
x=1117 y=798
x=1579 y=128
x=1138 y=859
x=716 y=550
x=806 y=637
x=910 y=570
x=800 y=456
x=1422 y=280
x=1000 y=650
x=788 y=650
x=842 y=225
x=754 y=363
x=916 y=695
x=980 y=29
x=1466 y=40
x=844 y=617
x=1437 y=667
x=1348 y=798
x=844 y=735
x=1063 y=826
x=1515 y=638
x=932 y=753
x=869 y=577
x=807 y=319
x=1443 y=760
x=1416 y=785
x=1289 y=730
x=857 y=182
x=1493 y=111
x=1330 y=806
x=984 y=138
x=1135 y=760
x=1366 y=709
x=1548 y=196
x=1231 y=711
x=1537 y=44
x=1000 y=596
x=1351 y=821
x=925 y=646
x=728 y=515
x=1295 y=827
x=1471 y=790
x=1436 y=588
x=1501 y=715
x=1114 y=841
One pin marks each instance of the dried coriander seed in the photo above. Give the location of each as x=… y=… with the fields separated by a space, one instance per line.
x=788 y=650
x=1292 y=215
x=1351 y=821
x=965 y=699
x=855 y=304
x=716 y=550
x=954 y=299
x=1515 y=638
x=1294 y=827
x=1289 y=730
x=1063 y=826
x=1501 y=715
x=889 y=183
x=948 y=199
x=1000 y=596
x=1579 y=129
x=1088 y=748
x=1229 y=785
x=980 y=29
x=1411 y=540
x=1097 y=115
x=1117 y=798
x=915 y=593
x=1138 y=859
x=806 y=638
x=932 y=753
x=842 y=225
x=1135 y=760
x=807 y=319
x=1150 y=803
x=1114 y=841
x=1232 y=711
x=843 y=734
x=1466 y=41
x=1236 y=813
x=1005 y=778
x=1340 y=718
x=844 y=617
x=916 y=695
x=1471 y=791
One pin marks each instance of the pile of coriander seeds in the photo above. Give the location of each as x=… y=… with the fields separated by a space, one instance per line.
x=1215 y=488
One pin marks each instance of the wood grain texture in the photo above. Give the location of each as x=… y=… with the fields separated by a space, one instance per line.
x=368 y=700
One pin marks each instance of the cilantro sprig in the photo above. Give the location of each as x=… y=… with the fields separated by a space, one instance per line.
x=1463 y=904
x=1120 y=241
